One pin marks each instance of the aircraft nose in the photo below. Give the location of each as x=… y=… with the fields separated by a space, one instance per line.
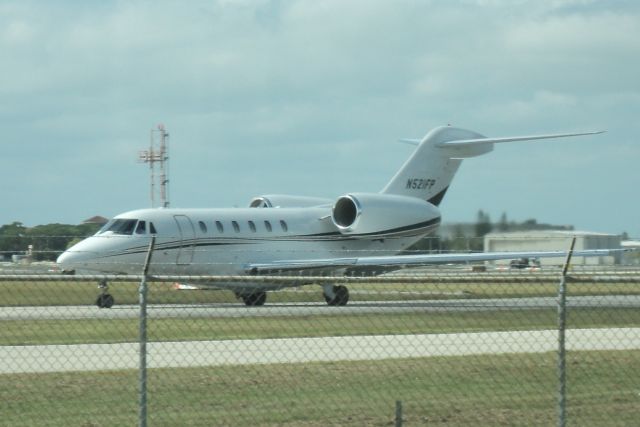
x=76 y=256
x=67 y=260
x=62 y=258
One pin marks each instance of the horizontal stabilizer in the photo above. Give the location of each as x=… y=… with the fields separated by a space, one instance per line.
x=471 y=142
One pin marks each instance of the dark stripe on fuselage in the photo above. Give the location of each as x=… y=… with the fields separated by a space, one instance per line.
x=385 y=233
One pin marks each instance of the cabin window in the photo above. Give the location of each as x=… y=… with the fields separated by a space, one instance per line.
x=236 y=227
x=152 y=228
x=220 y=227
x=252 y=226
x=203 y=227
x=284 y=226
x=267 y=225
x=141 y=228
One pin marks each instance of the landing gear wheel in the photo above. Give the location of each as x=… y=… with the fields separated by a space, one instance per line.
x=340 y=296
x=255 y=299
x=105 y=301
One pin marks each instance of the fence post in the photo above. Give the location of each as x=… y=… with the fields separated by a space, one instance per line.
x=562 y=324
x=142 y=291
x=398 y=420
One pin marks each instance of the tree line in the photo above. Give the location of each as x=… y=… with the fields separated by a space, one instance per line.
x=470 y=237
x=48 y=241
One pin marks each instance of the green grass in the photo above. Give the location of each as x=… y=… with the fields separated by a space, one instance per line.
x=28 y=332
x=472 y=390
x=85 y=293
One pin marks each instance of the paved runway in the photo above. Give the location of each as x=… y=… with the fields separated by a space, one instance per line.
x=93 y=357
x=234 y=310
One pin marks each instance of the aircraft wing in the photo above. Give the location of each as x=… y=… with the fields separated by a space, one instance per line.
x=379 y=264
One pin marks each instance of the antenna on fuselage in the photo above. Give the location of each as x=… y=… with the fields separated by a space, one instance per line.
x=158 y=152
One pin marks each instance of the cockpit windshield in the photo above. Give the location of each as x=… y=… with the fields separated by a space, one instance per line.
x=127 y=227
x=119 y=226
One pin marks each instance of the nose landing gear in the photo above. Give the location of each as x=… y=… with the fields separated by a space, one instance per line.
x=105 y=299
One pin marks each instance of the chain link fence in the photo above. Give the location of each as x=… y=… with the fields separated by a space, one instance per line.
x=445 y=345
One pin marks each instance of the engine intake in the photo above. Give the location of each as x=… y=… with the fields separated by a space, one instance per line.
x=346 y=211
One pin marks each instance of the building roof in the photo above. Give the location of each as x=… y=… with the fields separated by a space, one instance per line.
x=553 y=233
x=96 y=220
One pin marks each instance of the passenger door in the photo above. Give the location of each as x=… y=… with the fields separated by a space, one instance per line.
x=187 y=239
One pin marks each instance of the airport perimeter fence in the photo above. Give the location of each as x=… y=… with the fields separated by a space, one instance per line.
x=443 y=345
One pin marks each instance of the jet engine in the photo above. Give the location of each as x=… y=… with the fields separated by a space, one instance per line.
x=366 y=213
x=286 y=201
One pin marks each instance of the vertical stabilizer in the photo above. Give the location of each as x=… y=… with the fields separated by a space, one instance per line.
x=429 y=171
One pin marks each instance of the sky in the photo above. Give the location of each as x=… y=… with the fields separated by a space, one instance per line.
x=311 y=97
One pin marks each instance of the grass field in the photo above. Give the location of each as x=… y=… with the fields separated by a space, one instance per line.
x=474 y=390
x=30 y=332
x=518 y=389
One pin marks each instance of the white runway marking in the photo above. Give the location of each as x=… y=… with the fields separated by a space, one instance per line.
x=93 y=357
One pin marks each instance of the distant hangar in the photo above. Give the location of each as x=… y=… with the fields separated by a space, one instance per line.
x=551 y=240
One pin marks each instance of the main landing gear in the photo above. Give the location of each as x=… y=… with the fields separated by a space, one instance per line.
x=336 y=295
x=105 y=299
x=253 y=299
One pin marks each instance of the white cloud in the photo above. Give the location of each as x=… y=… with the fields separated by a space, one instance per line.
x=17 y=33
x=292 y=83
x=578 y=34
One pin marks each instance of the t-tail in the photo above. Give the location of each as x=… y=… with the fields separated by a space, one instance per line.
x=428 y=173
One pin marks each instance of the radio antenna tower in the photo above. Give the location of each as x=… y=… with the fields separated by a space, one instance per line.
x=158 y=152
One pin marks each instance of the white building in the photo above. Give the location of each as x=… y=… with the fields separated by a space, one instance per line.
x=555 y=240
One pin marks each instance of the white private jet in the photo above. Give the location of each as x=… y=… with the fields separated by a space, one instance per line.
x=356 y=233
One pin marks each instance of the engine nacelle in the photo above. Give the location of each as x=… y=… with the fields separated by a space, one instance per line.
x=365 y=213
x=286 y=201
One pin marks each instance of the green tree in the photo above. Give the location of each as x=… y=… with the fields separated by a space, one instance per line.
x=503 y=225
x=458 y=242
x=483 y=224
x=482 y=227
x=48 y=240
x=13 y=239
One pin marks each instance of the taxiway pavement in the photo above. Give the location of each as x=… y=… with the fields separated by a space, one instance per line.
x=231 y=310
x=183 y=354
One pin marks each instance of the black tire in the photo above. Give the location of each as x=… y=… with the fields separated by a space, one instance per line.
x=255 y=299
x=341 y=296
x=105 y=301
